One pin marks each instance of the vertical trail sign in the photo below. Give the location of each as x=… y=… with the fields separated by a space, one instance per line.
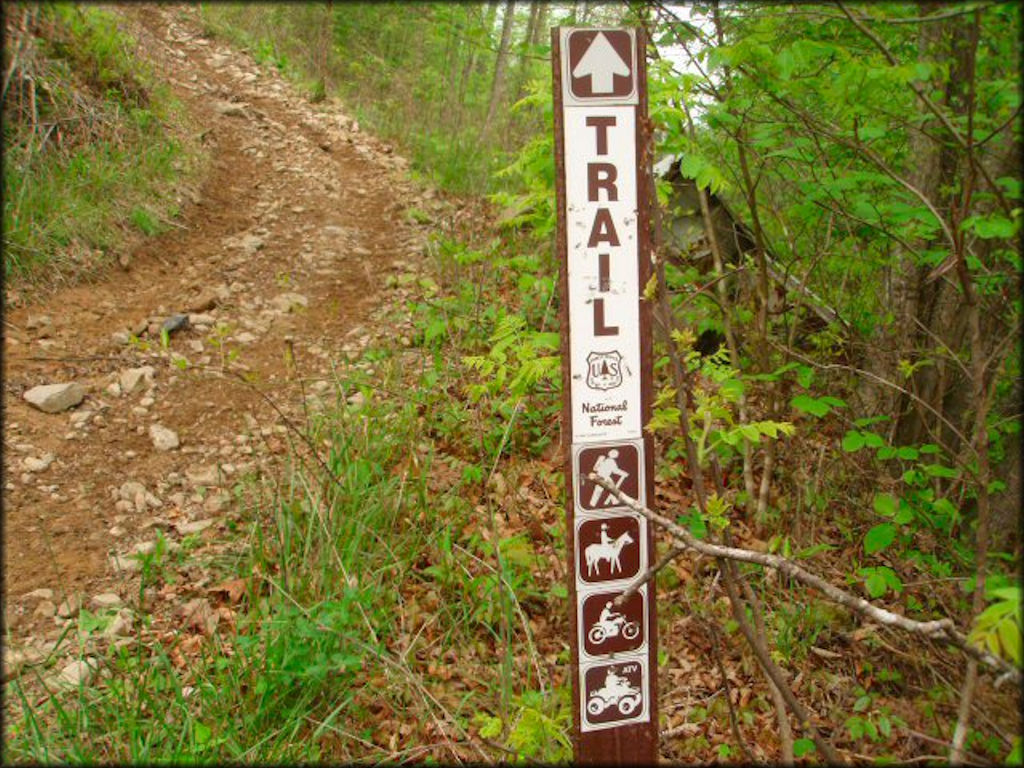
x=604 y=194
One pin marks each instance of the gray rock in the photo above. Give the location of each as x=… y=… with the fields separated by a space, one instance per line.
x=77 y=673
x=124 y=564
x=54 y=398
x=81 y=418
x=175 y=323
x=196 y=526
x=35 y=322
x=16 y=659
x=41 y=464
x=107 y=600
x=131 y=378
x=120 y=626
x=45 y=610
x=145 y=547
x=202 y=475
x=39 y=594
x=231 y=109
x=70 y=607
x=215 y=503
x=287 y=302
x=164 y=439
x=204 y=302
x=129 y=490
x=251 y=243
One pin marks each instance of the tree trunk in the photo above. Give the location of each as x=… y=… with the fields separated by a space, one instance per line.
x=498 y=83
x=540 y=33
x=523 y=69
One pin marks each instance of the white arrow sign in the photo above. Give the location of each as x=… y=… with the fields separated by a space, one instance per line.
x=600 y=63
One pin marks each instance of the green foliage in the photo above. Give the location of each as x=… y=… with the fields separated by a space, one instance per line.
x=878 y=580
x=516 y=362
x=816 y=406
x=998 y=628
x=98 y=159
x=875 y=723
x=879 y=537
x=803 y=747
x=539 y=730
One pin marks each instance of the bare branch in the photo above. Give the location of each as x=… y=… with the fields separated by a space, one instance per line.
x=939 y=629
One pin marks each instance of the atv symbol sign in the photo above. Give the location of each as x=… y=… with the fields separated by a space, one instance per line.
x=613 y=694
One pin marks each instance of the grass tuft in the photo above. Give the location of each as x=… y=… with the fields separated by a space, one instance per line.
x=91 y=157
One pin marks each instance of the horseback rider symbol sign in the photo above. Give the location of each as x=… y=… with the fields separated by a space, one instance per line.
x=610 y=548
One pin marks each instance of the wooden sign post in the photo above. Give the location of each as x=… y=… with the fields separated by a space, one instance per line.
x=604 y=193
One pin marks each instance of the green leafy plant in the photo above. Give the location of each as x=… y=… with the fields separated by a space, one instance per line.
x=998 y=628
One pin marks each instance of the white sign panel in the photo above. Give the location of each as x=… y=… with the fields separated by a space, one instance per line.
x=604 y=282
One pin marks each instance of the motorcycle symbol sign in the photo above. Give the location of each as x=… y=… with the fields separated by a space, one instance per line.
x=609 y=628
x=618 y=464
x=608 y=549
x=613 y=693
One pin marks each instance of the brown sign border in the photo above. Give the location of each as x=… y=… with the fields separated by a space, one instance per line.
x=636 y=743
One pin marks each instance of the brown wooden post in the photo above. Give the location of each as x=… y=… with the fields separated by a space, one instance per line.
x=604 y=195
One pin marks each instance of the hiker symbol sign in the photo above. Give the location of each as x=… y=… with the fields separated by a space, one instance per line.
x=615 y=463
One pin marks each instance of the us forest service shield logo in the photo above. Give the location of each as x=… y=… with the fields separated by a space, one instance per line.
x=604 y=370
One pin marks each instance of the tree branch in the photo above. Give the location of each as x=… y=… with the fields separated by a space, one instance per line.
x=931 y=106
x=939 y=629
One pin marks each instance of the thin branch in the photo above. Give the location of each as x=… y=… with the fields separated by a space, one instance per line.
x=649 y=574
x=931 y=105
x=933 y=17
x=716 y=646
x=939 y=629
x=885 y=382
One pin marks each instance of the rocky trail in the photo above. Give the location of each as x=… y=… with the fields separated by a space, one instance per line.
x=276 y=269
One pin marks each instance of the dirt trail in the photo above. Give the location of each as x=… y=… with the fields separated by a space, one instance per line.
x=297 y=224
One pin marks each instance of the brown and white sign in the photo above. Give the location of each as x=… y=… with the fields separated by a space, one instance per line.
x=617 y=463
x=604 y=192
x=608 y=629
x=600 y=67
x=614 y=694
x=610 y=549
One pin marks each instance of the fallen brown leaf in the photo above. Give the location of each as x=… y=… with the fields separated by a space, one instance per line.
x=233 y=590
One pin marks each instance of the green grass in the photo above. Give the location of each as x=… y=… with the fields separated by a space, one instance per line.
x=97 y=165
x=60 y=205
x=362 y=590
